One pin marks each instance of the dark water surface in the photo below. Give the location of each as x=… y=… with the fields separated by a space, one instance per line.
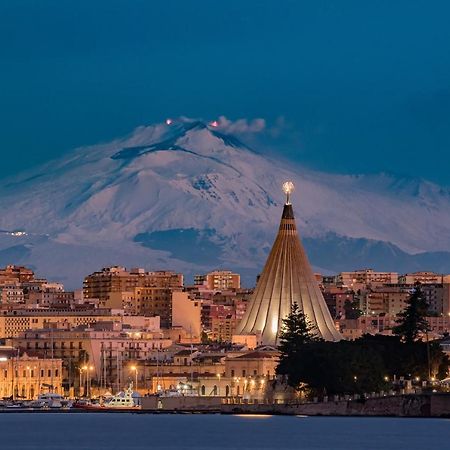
x=146 y=431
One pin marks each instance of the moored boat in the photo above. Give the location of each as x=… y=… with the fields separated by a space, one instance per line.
x=125 y=400
x=128 y=399
x=51 y=400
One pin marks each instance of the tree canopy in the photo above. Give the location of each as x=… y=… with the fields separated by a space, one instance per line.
x=296 y=331
x=412 y=321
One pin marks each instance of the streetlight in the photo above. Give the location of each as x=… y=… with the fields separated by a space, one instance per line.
x=83 y=382
x=91 y=368
x=28 y=382
x=135 y=370
x=218 y=376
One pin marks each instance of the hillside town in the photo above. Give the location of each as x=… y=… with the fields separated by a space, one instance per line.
x=163 y=334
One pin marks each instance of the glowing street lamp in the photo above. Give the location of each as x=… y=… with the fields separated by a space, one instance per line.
x=218 y=391
x=81 y=381
x=84 y=369
x=135 y=370
x=91 y=369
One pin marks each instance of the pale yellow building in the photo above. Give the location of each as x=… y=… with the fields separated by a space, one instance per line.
x=12 y=323
x=420 y=277
x=222 y=329
x=25 y=377
x=186 y=313
x=387 y=300
x=251 y=341
x=222 y=280
x=358 y=279
x=118 y=279
x=251 y=364
x=11 y=293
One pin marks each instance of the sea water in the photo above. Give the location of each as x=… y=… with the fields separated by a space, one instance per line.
x=122 y=431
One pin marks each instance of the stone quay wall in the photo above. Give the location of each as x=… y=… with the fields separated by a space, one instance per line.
x=411 y=405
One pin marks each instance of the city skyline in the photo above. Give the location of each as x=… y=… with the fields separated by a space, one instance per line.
x=237 y=209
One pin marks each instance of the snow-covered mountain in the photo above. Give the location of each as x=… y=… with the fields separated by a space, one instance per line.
x=184 y=196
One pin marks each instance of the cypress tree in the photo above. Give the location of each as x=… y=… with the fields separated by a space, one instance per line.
x=411 y=321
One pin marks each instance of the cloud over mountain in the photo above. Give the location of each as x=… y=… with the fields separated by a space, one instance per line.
x=241 y=126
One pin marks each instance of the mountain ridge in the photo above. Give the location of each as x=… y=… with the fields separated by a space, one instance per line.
x=190 y=175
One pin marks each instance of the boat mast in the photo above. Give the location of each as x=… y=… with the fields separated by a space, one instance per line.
x=192 y=351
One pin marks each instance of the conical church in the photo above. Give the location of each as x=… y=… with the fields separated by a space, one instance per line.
x=287 y=278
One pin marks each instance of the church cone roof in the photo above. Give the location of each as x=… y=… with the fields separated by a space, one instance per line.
x=287 y=277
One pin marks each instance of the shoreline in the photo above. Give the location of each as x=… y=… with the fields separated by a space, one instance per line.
x=435 y=405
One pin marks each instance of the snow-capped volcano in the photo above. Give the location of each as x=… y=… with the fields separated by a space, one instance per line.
x=185 y=196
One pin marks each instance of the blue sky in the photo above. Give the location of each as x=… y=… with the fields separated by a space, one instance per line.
x=363 y=86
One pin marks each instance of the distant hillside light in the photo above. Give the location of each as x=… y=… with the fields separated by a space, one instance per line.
x=214 y=123
x=168 y=121
x=288 y=189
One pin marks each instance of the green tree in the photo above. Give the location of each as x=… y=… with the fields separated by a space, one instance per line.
x=351 y=309
x=364 y=365
x=411 y=321
x=327 y=368
x=205 y=338
x=296 y=331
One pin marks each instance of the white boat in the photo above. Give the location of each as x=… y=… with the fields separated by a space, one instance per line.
x=128 y=399
x=51 y=400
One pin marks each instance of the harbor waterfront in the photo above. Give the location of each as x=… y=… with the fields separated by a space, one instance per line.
x=410 y=405
x=139 y=432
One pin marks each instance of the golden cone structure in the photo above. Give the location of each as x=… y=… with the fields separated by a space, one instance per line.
x=287 y=277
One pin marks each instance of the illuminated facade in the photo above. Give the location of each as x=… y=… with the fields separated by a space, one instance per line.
x=26 y=377
x=421 y=277
x=359 y=279
x=117 y=279
x=12 y=323
x=220 y=280
x=287 y=278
